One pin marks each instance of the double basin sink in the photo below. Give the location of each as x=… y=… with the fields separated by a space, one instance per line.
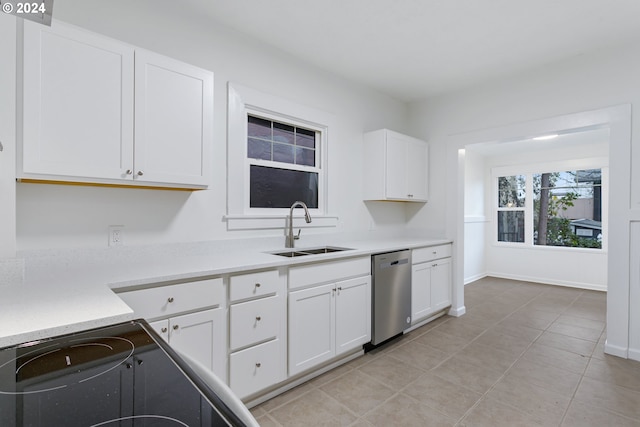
x=310 y=251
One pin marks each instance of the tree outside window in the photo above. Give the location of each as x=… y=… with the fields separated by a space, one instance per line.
x=511 y=208
x=568 y=208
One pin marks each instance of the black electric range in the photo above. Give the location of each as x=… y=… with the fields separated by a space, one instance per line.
x=121 y=375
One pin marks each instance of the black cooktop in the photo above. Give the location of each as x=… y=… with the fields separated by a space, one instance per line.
x=122 y=375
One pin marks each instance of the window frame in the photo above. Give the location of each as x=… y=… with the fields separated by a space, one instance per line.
x=242 y=102
x=320 y=144
x=498 y=208
x=528 y=170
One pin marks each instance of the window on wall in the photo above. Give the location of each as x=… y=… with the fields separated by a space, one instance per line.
x=568 y=208
x=511 y=212
x=277 y=154
x=561 y=208
x=283 y=163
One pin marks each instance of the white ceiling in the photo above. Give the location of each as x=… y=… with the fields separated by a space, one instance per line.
x=412 y=49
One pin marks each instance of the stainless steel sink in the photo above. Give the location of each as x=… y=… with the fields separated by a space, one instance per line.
x=311 y=251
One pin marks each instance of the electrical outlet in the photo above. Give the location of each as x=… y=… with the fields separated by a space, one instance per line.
x=116 y=235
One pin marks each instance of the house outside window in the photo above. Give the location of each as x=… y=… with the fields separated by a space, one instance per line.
x=560 y=209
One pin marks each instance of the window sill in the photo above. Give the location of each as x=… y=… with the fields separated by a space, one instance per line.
x=264 y=222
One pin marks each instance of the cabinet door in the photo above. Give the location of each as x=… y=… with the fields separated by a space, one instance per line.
x=201 y=336
x=417 y=170
x=353 y=313
x=256 y=368
x=441 y=284
x=173 y=120
x=396 y=167
x=77 y=104
x=311 y=327
x=420 y=291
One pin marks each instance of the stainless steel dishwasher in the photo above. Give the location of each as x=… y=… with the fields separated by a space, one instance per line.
x=391 y=302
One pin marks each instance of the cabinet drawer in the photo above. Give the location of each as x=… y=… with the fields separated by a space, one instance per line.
x=430 y=253
x=168 y=300
x=331 y=271
x=253 y=285
x=256 y=368
x=255 y=321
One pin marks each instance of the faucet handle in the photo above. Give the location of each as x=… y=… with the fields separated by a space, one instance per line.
x=297 y=236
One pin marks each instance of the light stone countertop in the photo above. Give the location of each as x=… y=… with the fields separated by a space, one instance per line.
x=73 y=290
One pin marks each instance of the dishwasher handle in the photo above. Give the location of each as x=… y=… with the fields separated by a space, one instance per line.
x=395 y=263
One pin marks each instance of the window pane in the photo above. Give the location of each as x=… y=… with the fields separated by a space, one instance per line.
x=283 y=133
x=279 y=188
x=568 y=208
x=511 y=191
x=511 y=226
x=305 y=157
x=306 y=138
x=259 y=149
x=258 y=127
x=283 y=153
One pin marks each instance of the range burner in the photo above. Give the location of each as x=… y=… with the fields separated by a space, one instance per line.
x=64 y=358
x=155 y=420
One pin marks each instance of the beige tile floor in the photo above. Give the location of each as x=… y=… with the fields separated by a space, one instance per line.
x=524 y=355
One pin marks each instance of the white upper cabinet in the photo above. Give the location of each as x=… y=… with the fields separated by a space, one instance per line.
x=100 y=111
x=174 y=120
x=77 y=104
x=395 y=167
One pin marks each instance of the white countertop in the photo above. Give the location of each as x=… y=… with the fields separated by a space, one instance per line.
x=69 y=291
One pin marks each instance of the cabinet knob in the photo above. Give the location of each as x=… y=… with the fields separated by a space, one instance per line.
x=339 y=288
x=257 y=285
x=140 y=173
x=164 y=330
x=258 y=318
x=175 y=327
x=258 y=364
x=129 y=172
x=170 y=299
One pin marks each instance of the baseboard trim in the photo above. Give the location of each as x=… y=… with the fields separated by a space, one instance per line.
x=634 y=354
x=615 y=350
x=475 y=277
x=457 y=312
x=544 y=281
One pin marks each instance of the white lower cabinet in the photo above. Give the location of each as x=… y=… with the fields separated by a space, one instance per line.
x=189 y=316
x=430 y=281
x=257 y=331
x=200 y=335
x=328 y=320
x=256 y=368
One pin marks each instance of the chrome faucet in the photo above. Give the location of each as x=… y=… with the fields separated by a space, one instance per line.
x=290 y=239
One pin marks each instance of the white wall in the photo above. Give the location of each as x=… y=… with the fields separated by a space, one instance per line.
x=52 y=216
x=475 y=216
x=583 y=83
x=7 y=136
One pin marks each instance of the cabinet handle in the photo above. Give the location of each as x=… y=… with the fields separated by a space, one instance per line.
x=257 y=285
x=258 y=318
x=434 y=265
x=175 y=327
x=140 y=173
x=170 y=299
x=258 y=364
x=164 y=330
x=129 y=172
